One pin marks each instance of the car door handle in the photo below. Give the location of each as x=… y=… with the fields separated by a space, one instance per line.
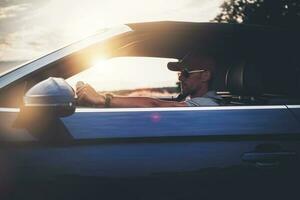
x=268 y=159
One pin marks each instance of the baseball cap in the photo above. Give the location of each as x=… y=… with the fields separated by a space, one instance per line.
x=194 y=61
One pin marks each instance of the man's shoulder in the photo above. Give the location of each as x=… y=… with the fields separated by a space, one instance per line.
x=209 y=99
x=202 y=101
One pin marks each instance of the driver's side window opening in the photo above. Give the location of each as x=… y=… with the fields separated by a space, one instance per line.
x=131 y=77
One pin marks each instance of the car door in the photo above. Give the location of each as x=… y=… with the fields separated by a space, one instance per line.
x=295 y=109
x=158 y=153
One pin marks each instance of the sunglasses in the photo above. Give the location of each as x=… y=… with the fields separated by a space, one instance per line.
x=186 y=73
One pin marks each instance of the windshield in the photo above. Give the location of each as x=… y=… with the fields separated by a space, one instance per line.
x=20 y=71
x=102 y=34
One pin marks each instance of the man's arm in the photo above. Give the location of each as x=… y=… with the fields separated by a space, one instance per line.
x=140 y=102
x=87 y=95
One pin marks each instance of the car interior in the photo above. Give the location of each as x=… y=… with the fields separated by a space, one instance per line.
x=262 y=84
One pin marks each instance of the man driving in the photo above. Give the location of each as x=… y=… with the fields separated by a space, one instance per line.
x=196 y=72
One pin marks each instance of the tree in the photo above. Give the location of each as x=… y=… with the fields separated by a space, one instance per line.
x=281 y=13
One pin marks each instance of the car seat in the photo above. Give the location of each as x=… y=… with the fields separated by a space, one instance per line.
x=244 y=82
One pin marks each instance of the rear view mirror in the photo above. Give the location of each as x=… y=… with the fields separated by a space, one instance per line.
x=53 y=96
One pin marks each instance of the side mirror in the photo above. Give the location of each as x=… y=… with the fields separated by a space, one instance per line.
x=53 y=96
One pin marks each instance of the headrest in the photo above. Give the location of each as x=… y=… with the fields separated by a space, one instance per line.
x=244 y=80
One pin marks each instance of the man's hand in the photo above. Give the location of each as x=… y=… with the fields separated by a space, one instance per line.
x=88 y=95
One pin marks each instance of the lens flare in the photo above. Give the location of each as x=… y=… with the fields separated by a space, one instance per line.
x=155 y=117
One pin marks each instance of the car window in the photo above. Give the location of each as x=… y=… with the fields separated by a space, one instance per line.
x=131 y=76
x=150 y=77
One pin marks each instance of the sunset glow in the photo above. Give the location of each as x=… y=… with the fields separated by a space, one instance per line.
x=33 y=28
x=127 y=73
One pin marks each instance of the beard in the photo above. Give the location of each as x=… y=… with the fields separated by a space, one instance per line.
x=184 y=90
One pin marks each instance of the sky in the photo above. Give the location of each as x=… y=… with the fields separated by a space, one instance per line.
x=31 y=28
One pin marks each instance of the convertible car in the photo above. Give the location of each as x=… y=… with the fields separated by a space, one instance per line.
x=249 y=147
